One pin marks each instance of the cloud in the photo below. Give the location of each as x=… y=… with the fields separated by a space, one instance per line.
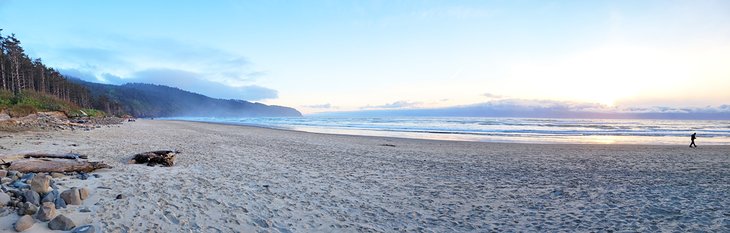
x=396 y=104
x=537 y=108
x=195 y=82
x=115 y=59
x=491 y=95
x=327 y=105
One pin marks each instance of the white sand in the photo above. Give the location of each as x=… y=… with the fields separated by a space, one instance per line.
x=247 y=179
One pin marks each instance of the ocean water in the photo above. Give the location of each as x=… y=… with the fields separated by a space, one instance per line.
x=520 y=130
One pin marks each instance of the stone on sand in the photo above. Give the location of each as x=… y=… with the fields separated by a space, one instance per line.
x=46 y=212
x=4 y=199
x=41 y=184
x=61 y=222
x=83 y=193
x=50 y=197
x=32 y=197
x=24 y=223
x=85 y=229
x=57 y=174
x=71 y=196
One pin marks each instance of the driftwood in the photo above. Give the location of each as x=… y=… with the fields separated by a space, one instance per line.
x=55 y=165
x=152 y=158
x=56 y=156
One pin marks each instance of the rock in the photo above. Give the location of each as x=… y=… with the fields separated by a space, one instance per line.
x=4 y=199
x=84 y=193
x=28 y=176
x=20 y=185
x=82 y=176
x=26 y=208
x=24 y=223
x=41 y=184
x=96 y=175
x=32 y=197
x=61 y=222
x=5 y=180
x=85 y=210
x=60 y=203
x=50 y=197
x=46 y=212
x=12 y=174
x=3 y=173
x=85 y=229
x=120 y=196
x=56 y=174
x=71 y=196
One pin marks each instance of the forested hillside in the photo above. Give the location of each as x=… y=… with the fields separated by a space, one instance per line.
x=149 y=100
x=28 y=85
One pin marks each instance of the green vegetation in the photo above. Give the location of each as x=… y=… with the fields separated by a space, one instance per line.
x=29 y=102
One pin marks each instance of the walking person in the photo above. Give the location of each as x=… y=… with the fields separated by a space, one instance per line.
x=694 y=136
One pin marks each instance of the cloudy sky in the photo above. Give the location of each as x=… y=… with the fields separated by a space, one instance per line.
x=321 y=56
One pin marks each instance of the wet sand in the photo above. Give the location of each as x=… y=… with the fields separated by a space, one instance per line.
x=249 y=179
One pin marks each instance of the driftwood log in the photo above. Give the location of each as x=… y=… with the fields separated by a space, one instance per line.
x=56 y=156
x=55 y=165
x=163 y=157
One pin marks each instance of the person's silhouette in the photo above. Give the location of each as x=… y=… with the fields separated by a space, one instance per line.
x=694 y=136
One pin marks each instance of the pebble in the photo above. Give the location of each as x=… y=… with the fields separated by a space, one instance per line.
x=24 y=223
x=46 y=212
x=4 y=199
x=71 y=196
x=3 y=173
x=61 y=222
x=57 y=174
x=85 y=210
x=85 y=229
x=32 y=197
x=41 y=184
x=120 y=196
x=82 y=176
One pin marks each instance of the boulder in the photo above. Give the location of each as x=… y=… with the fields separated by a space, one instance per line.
x=84 y=193
x=32 y=197
x=46 y=212
x=4 y=199
x=61 y=222
x=41 y=184
x=71 y=196
x=24 y=223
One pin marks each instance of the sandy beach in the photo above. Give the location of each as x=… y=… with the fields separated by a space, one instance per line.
x=249 y=179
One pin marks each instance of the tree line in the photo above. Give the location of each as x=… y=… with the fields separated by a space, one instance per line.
x=19 y=73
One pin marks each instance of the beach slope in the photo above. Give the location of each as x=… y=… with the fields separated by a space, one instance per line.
x=246 y=179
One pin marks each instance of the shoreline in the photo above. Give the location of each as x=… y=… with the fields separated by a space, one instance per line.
x=245 y=178
x=432 y=139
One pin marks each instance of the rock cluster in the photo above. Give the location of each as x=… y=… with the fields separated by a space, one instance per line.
x=36 y=198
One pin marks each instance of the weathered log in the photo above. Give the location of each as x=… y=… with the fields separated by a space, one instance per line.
x=152 y=158
x=55 y=165
x=56 y=156
x=6 y=159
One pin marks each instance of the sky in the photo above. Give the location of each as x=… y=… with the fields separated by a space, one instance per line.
x=330 y=56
